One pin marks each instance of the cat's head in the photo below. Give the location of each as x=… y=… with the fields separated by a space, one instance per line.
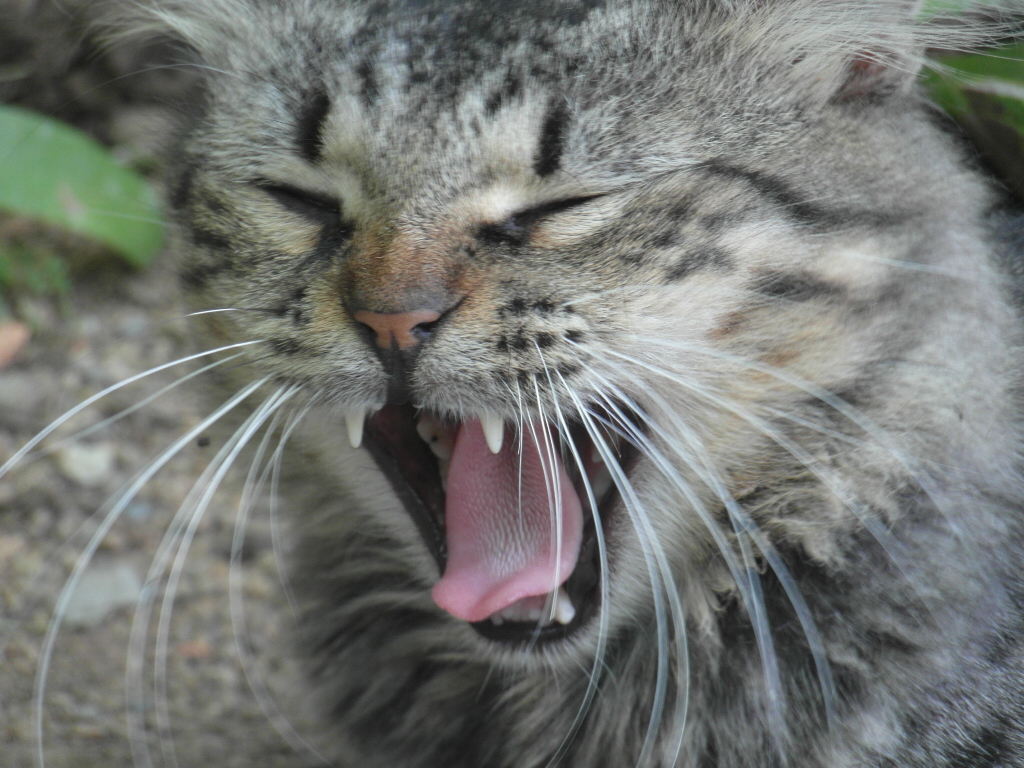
x=558 y=255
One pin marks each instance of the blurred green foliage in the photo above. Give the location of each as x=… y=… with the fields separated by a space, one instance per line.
x=984 y=93
x=56 y=175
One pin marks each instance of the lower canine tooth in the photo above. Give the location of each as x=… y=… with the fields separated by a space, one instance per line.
x=494 y=430
x=600 y=484
x=564 y=611
x=354 y=420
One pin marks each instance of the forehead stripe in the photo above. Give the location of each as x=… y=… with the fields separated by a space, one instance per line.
x=552 y=140
x=311 y=121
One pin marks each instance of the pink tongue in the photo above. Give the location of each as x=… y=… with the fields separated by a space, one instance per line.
x=503 y=542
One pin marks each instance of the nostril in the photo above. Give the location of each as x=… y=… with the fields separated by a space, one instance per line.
x=403 y=329
x=366 y=330
x=426 y=330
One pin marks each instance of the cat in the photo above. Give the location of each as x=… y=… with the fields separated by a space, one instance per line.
x=650 y=372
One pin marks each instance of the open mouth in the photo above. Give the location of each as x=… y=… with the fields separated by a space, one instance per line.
x=507 y=514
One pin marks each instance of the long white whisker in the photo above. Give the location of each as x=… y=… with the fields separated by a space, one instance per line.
x=128 y=411
x=85 y=558
x=657 y=568
x=855 y=415
x=237 y=442
x=627 y=429
x=275 y=522
x=554 y=490
x=745 y=526
x=549 y=472
x=254 y=678
x=602 y=615
x=893 y=549
x=134 y=676
x=99 y=395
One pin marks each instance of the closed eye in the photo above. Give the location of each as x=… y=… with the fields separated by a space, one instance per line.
x=312 y=205
x=516 y=229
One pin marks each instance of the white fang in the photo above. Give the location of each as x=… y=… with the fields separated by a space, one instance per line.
x=354 y=419
x=494 y=430
x=564 y=610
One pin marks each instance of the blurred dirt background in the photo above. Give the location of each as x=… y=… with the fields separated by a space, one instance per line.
x=113 y=324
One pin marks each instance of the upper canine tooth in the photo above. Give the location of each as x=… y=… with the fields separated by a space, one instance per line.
x=494 y=430
x=354 y=420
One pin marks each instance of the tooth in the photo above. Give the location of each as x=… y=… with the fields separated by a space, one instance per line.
x=595 y=456
x=354 y=419
x=426 y=428
x=600 y=484
x=439 y=438
x=494 y=430
x=564 y=611
x=497 y=620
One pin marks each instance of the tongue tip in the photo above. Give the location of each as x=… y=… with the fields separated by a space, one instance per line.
x=464 y=599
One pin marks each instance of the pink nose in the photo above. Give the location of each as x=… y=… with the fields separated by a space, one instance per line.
x=397 y=328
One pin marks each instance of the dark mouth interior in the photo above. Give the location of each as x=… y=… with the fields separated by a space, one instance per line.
x=413 y=471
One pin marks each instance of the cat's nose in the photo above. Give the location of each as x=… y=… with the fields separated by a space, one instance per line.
x=403 y=330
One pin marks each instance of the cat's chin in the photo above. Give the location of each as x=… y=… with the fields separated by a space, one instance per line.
x=414 y=450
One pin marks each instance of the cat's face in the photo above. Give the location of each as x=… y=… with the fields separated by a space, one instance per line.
x=552 y=257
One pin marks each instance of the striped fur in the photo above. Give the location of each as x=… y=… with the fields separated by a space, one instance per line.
x=779 y=262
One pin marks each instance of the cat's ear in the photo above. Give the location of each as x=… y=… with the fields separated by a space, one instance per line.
x=887 y=66
x=873 y=49
x=863 y=51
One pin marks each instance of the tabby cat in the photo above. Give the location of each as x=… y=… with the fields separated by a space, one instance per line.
x=650 y=369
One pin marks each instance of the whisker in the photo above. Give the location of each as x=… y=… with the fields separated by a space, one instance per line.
x=134 y=674
x=56 y=423
x=855 y=415
x=550 y=482
x=251 y=490
x=594 y=674
x=127 y=411
x=237 y=443
x=745 y=526
x=275 y=520
x=554 y=490
x=50 y=638
x=261 y=310
x=934 y=269
x=893 y=549
x=658 y=571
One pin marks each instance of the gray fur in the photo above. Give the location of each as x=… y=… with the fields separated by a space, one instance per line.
x=789 y=271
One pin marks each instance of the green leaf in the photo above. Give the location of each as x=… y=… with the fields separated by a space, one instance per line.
x=984 y=93
x=56 y=173
x=930 y=8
